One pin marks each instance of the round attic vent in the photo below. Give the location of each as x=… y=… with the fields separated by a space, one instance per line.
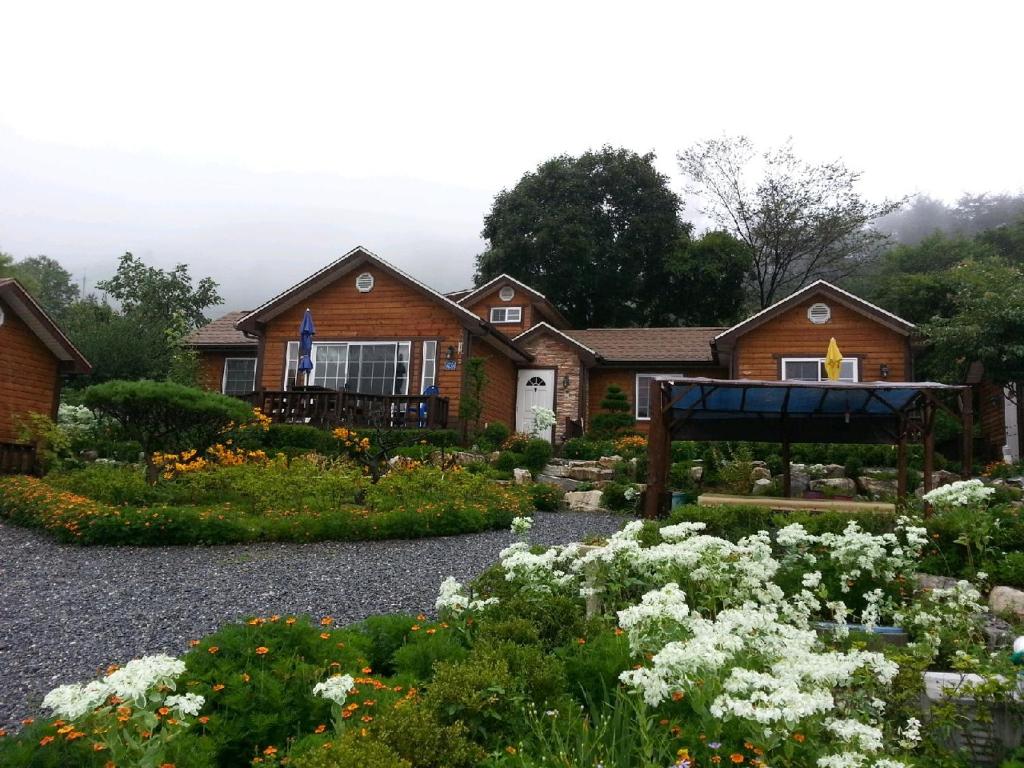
x=507 y=293
x=819 y=314
x=364 y=283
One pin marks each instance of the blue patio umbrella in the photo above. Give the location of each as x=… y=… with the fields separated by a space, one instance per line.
x=306 y=333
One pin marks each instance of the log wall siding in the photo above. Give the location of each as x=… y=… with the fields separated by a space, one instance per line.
x=549 y=351
x=392 y=311
x=211 y=370
x=499 y=393
x=482 y=309
x=992 y=420
x=601 y=378
x=29 y=375
x=759 y=352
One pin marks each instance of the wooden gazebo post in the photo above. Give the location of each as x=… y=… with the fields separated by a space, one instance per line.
x=967 y=424
x=901 y=459
x=658 y=448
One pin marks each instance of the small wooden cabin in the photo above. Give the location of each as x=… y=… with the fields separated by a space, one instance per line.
x=35 y=356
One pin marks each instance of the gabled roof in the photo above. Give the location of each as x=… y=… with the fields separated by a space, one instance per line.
x=653 y=345
x=27 y=308
x=352 y=260
x=542 y=327
x=847 y=299
x=549 y=310
x=221 y=333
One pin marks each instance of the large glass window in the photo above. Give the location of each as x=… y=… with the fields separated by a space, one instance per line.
x=239 y=375
x=643 y=393
x=380 y=368
x=813 y=369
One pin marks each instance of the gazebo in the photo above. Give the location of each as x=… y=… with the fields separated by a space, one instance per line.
x=789 y=412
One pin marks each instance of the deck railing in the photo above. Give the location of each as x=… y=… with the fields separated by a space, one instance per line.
x=333 y=408
x=17 y=459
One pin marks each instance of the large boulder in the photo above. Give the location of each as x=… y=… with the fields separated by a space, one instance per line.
x=556 y=470
x=799 y=480
x=761 y=487
x=843 y=486
x=1006 y=600
x=877 y=488
x=590 y=474
x=521 y=476
x=462 y=458
x=565 y=483
x=760 y=473
x=928 y=582
x=609 y=462
x=834 y=470
x=584 y=501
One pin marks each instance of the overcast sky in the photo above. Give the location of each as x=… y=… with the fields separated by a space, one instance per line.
x=257 y=142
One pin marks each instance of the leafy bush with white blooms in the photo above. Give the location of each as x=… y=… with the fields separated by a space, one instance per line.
x=962 y=493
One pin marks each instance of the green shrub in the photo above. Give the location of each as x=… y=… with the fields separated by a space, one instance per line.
x=613 y=496
x=546 y=497
x=616 y=414
x=414 y=732
x=422 y=651
x=509 y=460
x=1008 y=570
x=386 y=634
x=280 y=436
x=587 y=449
x=593 y=668
x=109 y=483
x=254 y=700
x=480 y=692
x=512 y=630
x=493 y=436
x=166 y=417
x=536 y=454
x=351 y=751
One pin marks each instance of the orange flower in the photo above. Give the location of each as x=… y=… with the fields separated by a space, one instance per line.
x=799 y=738
x=163 y=711
x=320 y=728
x=245 y=677
x=262 y=650
x=736 y=757
x=271 y=750
x=166 y=765
x=98 y=746
x=45 y=740
x=193 y=643
x=218 y=687
x=716 y=759
x=28 y=721
x=326 y=621
x=367 y=670
x=677 y=696
x=290 y=620
x=325 y=635
x=213 y=649
x=204 y=719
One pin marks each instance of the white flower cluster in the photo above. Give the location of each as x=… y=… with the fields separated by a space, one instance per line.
x=453 y=600
x=334 y=688
x=658 y=618
x=543 y=418
x=962 y=493
x=521 y=525
x=186 y=704
x=953 y=612
x=136 y=681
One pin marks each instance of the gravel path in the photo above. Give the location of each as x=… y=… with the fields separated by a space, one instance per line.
x=67 y=612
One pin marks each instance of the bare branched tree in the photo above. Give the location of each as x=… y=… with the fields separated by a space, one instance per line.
x=801 y=221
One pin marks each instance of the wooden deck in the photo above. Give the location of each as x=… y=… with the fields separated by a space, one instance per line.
x=790 y=505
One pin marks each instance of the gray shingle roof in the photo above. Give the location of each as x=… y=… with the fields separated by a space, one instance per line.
x=649 y=344
x=221 y=333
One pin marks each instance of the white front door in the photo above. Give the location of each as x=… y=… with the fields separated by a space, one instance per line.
x=536 y=388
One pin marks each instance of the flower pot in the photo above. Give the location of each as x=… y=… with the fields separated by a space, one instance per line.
x=680 y=498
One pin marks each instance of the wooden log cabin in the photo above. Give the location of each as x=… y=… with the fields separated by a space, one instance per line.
x=35 y=357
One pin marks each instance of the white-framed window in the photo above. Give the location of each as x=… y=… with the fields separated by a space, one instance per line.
x=643 y=393
x=506 y=314
x=239 y=375
x=367 y=367
x=429 y=375
x=813 y=369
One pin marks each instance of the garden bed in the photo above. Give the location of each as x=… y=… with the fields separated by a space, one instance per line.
x=305 y=499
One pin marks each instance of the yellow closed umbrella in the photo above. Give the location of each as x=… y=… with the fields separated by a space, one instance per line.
x=833 y=360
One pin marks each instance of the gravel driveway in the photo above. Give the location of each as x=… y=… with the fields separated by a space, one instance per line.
x=67 y=612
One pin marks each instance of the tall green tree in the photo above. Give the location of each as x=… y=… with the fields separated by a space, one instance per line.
x=48 y=282
x=596 y=233
x=801 y=221
x=145 y=291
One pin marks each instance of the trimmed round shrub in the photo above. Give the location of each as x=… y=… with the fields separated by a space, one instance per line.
x=546 y=497
x=351 y=751
x=536 y=454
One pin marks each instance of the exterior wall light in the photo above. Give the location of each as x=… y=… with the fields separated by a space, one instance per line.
x=565 y=382
x=883 y=370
